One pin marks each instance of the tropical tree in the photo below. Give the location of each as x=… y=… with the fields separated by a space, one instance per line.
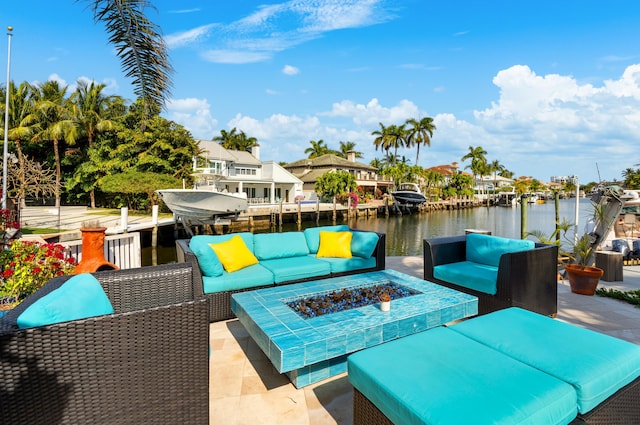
x=235 y=141
x=631 y=178
x=318 y=148
x=335 y=183
x=433 y=180
x=92 y=112
x=56 y=123
x=419 y=133
x=346 y=147
x=382 y=139
x=397 y=136
x=495 y=167
x=140 y=46
x=22 y=125
x=478 y=159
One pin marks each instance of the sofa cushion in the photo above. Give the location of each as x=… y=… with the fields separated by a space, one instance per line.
x=479 y=277
x=208 y=261
x=312 y=235
x=296 y=268
x=234 y=254
x=269 y=246
x=441 y=377
x=79 y=297
x=597 y=365
x=487 y=249
x=363 y=244
x=249 y=277
x=335 y=245
x=342 y=265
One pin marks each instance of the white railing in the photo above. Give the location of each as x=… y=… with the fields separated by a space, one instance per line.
x=123 y=250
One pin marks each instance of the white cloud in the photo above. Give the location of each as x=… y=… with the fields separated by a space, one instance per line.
x=194 y=114
x=188 y=37
x=234 y=56
x=290 y=70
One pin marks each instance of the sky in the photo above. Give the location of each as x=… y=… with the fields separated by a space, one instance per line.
x=547 y=88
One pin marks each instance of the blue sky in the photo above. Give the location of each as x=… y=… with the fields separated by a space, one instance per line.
x=547 y=87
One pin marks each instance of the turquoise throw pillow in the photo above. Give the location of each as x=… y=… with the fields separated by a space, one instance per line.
x=363 y=244
x=79 y=297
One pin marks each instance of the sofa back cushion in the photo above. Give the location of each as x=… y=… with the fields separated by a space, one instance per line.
x=269 y=246
x=312 y=235
x=208 y=261
x=487 y=249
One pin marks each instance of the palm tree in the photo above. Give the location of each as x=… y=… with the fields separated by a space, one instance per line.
x=92 y=111
x=317 y=149
x=346 y=147
x=22 y=124
x=140 y=47
x=226 y=138
x=495 y=167
x=382 y=139
x=478 y=161
x=55 y=122
x=419 y=133
x=397 y=137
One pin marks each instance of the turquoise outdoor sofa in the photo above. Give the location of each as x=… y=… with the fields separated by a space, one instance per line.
x=512 y=366
x=501 y=272
x=282 y=258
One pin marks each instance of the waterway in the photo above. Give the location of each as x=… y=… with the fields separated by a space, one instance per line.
x=404 y=234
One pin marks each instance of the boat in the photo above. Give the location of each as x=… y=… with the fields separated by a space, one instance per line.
x=203 y=205
x=507 y=199
x=409 y=194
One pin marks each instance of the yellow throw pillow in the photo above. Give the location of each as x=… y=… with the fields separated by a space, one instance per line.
x=234 y=254
x=335 y=245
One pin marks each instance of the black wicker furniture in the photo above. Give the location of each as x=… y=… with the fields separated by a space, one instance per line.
x=220 y=302
x=526 y=279
x=145 y=364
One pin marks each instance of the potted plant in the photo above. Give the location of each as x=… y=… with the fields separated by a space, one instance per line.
x=583 y=277
x=385 y=302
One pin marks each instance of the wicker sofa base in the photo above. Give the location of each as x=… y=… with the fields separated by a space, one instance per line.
x=622 y=408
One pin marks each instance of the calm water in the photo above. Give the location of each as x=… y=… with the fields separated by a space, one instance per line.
x=405 y=233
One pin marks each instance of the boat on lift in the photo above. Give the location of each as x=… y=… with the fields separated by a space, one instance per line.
x=409 y=194
x=202 y=204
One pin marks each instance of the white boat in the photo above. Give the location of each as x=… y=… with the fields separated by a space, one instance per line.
x=409 y=194
x=203 y=205
x=507 y=199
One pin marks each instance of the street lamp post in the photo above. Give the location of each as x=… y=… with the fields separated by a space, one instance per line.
x=5 y=152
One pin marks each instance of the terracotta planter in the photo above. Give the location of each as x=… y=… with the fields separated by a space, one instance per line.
x=93 y=252
x=583 y=279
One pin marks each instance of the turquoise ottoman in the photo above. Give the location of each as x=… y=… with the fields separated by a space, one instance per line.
x=442 y=377
x=596 y=365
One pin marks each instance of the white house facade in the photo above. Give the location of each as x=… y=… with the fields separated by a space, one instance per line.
x=240 y=171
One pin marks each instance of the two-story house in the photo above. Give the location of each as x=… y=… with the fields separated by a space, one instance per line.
x=310 y=169
x=240 y=171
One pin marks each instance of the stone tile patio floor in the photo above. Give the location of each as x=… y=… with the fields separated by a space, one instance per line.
x=245 y=389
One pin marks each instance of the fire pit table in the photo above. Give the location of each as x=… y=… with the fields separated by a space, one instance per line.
x=311 y=349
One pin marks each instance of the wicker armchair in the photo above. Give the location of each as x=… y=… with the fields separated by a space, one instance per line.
x=526 y=279
x=145 y=364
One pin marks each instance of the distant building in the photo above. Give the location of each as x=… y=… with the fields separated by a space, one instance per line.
x=310 y=169
x=240 y=171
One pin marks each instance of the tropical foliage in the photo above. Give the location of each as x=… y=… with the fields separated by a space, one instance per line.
x=335 y=183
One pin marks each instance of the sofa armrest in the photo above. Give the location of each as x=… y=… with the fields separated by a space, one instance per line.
x=529 y=279
x=444 y=250
x=185 y=255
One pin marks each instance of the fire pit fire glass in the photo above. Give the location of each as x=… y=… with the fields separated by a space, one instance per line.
x=345 y=299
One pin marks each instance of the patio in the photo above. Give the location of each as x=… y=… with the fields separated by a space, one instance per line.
x=246 y=389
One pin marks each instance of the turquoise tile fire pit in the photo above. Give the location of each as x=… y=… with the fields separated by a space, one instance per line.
x=309 y=350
